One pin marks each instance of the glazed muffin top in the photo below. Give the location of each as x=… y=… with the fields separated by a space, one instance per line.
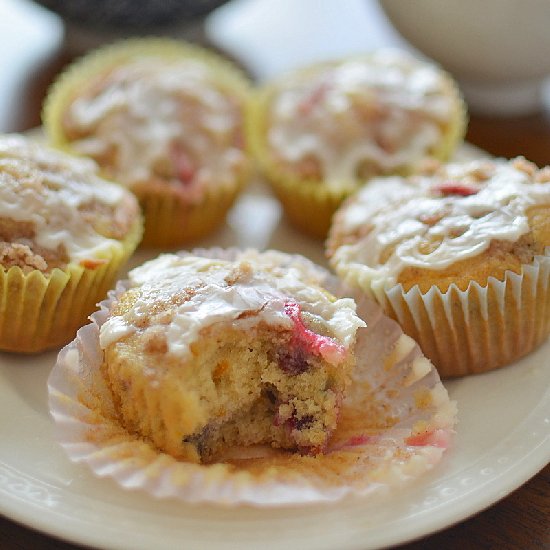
x=55 y=210
x=459 y=223
x=174 y=298
x=157 y=115
x=349 y=120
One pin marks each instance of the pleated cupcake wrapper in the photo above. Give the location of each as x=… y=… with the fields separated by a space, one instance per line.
x=169 y=220
x=38 y=312
x=395 y=425
x=480 y=328
x=308 y=203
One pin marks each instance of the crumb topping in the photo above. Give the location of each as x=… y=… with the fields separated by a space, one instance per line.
x=432 y=221
x=22 y=256
x=54 y=209
x=179 y=296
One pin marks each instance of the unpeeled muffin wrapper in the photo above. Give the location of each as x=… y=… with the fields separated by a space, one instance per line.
x=481 y=328
x=41 y=311
x=170 y=220
x=395 y=424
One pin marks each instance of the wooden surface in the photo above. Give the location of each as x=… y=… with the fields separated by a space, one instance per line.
x=519 y=521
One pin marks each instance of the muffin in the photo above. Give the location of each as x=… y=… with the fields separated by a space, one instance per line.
x=64 y=233
x=204 y=354
x=457 y=256
x=163 y=118
x=395 y=421
x=323 y=131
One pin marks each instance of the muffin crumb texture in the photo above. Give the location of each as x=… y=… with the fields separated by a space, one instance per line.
x=205 y=355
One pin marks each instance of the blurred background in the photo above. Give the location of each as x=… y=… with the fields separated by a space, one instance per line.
x=496 y=49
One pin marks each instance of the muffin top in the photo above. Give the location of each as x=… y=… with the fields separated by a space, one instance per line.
x=55 y=210
x=174 y=298
x=458 y=223
x=349 y=120
x=150 y=120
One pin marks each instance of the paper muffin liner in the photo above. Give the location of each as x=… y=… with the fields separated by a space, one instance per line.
x=170 y=220
x=475 y=330
x=38 y=311
x=309 y=203
x=395 y=424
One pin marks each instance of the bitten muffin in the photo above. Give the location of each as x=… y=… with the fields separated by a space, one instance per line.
x=203 y=354
x=64 y=233
x=163 y=118
x=459 y=257
x=322 y=131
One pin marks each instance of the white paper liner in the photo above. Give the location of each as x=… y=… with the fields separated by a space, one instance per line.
x=395 y=425
x=479 y=328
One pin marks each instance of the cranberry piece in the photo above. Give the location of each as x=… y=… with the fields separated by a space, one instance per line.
x=292 y=361
x=184 y=165
x=304 y=422
x=314 y=343
x=184 y=168
x=313 y=99
x=357 y=440
x=435 y=438
x=455 y=188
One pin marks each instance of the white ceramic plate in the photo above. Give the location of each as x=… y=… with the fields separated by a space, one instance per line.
x=503 y=439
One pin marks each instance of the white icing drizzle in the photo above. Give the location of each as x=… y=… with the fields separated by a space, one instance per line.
x=265 y=283
x=158 y=113
x=387 y=109
x=46 y=188
x=402 y=214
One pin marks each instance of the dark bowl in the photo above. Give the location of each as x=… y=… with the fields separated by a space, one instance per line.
x=130 y=14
